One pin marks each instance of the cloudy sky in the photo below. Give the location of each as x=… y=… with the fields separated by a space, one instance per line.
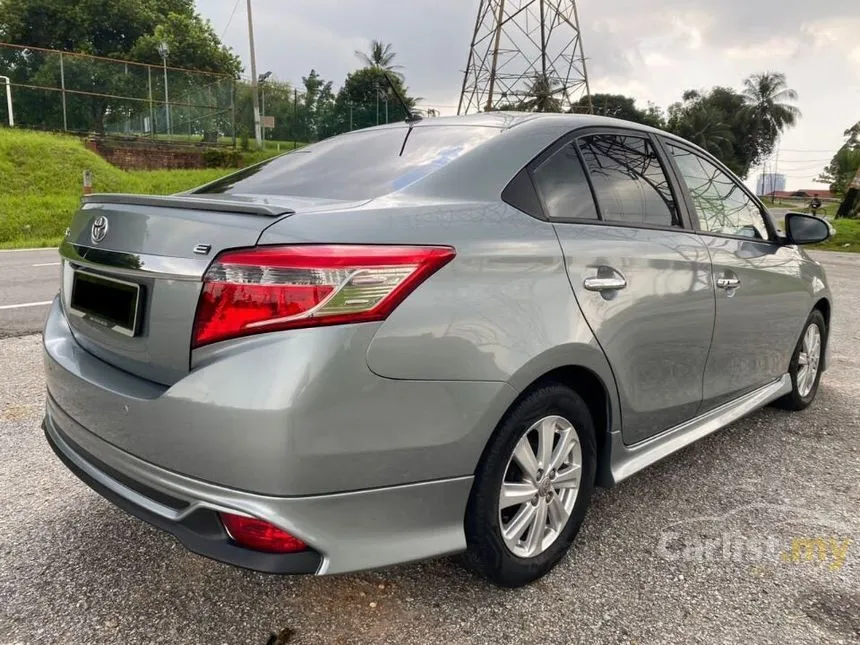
x=653 y=54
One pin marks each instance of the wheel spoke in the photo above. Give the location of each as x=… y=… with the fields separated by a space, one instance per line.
x=525 y=458
x=546 y=436
x=537 y=531
x=562 y=450
x=557 y=515
x=569 y=477
x=515 y=493
x=802 y=358
x=517 y=526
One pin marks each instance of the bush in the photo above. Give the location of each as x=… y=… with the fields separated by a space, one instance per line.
x=222 y=158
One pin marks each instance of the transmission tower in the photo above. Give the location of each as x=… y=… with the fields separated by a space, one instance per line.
x=525 y=54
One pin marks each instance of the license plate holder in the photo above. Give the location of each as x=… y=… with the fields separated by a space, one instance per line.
x=108 y=302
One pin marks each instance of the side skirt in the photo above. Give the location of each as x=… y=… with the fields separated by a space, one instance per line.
x=627 y=460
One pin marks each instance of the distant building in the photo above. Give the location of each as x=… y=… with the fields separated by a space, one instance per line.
x=770 y=182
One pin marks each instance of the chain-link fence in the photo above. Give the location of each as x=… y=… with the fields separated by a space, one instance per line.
x=62 y=91
x=78 y=93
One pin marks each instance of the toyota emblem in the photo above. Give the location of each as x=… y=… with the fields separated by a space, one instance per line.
x=99 y=229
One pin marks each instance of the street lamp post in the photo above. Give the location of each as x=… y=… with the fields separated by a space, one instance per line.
x=164 y=50
x=262 y=83
x=258 y=132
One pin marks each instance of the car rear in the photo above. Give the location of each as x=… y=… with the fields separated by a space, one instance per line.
x=219 y=388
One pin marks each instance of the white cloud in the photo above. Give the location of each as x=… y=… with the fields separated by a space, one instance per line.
x=652 y=51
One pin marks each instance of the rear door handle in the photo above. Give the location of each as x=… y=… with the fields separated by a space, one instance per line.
x=604 y=284
x=728 y=283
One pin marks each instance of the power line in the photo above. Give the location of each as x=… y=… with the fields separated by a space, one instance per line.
x=230 y=19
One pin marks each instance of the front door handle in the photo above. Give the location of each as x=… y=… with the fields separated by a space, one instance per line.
x=728 y=283
x=604 y=284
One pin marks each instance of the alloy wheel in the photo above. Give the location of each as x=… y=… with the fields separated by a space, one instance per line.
x=809 y=360
x=540 y=486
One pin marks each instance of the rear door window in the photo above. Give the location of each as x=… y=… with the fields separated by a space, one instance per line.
x=629 y=181
x=359 y=165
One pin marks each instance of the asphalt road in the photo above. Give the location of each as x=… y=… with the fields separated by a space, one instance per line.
x=696 y=549
x=28 y=280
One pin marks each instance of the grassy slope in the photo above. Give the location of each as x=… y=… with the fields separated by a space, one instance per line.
x=847 y=237
x=40 y=184
x=40 y=188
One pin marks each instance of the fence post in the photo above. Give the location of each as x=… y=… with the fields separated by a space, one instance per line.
x=233 y=108
x=63 y=92
x=151 y=106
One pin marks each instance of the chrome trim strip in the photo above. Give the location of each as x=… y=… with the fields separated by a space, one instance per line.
x=627 y=460
x=135 y=265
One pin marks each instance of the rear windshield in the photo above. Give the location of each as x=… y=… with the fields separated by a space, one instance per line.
x=359 y=165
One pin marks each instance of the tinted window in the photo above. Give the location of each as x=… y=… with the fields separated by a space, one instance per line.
x=359 y=165
x=562 y=185
x=629 y=182
x=720 y=203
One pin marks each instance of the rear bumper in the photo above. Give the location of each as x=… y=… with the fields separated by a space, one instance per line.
x=288 y=414
x=346 y=531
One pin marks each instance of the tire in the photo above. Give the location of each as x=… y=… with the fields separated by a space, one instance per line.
x=547 y=407
x=802 y=391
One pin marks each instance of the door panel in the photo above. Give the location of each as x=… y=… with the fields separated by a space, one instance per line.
x=761 y=297
x=656 y=330
x=758 y=322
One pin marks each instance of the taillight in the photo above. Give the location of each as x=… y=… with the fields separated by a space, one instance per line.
x=270 y=288
x=260 y=535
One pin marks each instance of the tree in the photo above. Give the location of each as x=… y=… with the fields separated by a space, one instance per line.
x=316 y=111
x=366 y=100
x=381 y=57
x=619 y=107
x=705 y=125
x=845 y=162
x=718 y=121
x=543 y=96
x=124 y=29
x=768 y=100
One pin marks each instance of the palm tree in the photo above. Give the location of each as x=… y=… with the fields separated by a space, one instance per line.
x=542 y=96
x=703 y=125
x=381 y=57
x=768 y=99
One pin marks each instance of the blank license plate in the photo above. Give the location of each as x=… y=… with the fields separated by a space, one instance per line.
x=108 y=302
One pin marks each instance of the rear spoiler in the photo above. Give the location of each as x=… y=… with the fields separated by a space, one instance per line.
x=193 y=203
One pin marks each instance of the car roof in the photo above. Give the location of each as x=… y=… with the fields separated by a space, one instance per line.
x=510 y=119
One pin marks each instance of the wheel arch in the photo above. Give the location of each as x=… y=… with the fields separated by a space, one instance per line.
x=823 y=305
x=584 y=369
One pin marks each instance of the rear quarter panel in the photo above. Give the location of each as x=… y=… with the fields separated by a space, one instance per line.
x=502 y=310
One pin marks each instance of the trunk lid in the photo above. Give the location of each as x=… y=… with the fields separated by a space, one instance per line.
x=133 y=267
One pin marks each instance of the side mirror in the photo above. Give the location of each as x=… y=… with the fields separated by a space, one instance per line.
x=806 y=229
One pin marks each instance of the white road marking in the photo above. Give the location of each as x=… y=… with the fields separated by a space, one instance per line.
x=47 y=264
x=26 y=304
x=45 y=248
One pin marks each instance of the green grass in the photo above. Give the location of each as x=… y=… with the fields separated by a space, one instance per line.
x=828 y=209
x=40 y=184
x=847 y=237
